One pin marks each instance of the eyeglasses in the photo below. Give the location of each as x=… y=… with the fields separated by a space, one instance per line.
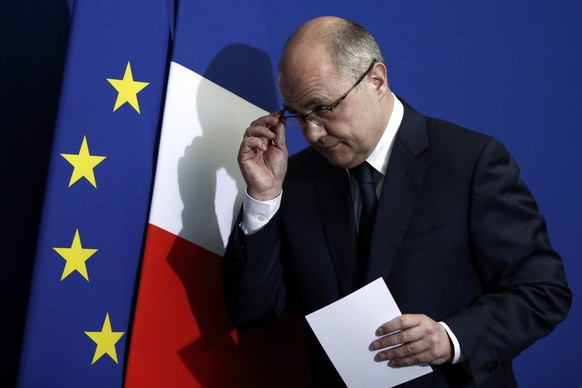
x=322 y=113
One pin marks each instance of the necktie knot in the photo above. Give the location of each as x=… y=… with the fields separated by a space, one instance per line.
x=364 y=175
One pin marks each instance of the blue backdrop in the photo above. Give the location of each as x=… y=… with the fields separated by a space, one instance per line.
x=509 y=69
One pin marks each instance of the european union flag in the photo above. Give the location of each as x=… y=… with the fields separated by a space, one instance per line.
x=97 y=197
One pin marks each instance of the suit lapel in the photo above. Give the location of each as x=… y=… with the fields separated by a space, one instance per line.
x=337 y=218
x=399 y=194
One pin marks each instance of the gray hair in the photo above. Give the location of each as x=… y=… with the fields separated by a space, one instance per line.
x=352 y=48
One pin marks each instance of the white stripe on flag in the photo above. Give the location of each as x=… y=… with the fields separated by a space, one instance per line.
x=198 y=185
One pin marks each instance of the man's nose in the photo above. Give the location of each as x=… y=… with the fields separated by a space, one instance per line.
x=313 y=132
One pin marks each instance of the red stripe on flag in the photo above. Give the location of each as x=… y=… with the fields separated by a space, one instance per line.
x=182 y=335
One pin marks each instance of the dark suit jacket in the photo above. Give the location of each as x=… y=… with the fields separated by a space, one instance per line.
x=458 y=237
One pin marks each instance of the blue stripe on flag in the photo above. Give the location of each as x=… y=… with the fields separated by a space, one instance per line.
x=236 y=56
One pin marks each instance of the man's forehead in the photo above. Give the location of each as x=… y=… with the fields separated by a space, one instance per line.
x=307 y=88
x=300 y=66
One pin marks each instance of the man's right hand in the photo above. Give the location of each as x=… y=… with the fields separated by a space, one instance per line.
x=262 y=157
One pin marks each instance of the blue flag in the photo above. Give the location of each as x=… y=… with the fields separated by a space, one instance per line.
x=97 y=196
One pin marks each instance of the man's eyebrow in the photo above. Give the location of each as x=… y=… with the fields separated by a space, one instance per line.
x=309 y=105
x=314 y=101
x=287 y=109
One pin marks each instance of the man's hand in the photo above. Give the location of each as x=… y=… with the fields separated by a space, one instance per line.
x=263 y=156
x=417 y=339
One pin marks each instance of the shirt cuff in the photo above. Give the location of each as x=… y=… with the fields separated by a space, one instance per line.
x=256 y=214
x=457 y=352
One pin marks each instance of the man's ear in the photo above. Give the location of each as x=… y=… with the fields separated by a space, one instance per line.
x=379 y=77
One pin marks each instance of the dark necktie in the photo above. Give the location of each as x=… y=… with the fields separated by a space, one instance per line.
x=364 y=174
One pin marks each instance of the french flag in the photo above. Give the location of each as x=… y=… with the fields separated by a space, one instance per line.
x=220 y=79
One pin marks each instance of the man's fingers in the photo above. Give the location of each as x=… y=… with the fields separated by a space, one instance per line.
x=266 y=121
x=412 y=339
x=406 y=350
x=423 y=358
x=398 y=324
x=250 y=144
x=397 y=338
x=260 y=131
x=280 y=136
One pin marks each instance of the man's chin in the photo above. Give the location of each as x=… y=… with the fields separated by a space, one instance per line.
x=337 y=158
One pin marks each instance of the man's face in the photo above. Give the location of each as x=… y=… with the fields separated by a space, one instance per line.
x=348 y=134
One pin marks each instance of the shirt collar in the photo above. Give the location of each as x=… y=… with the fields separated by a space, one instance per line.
x=381 y=154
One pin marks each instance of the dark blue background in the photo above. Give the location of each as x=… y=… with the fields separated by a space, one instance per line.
x=509 y=69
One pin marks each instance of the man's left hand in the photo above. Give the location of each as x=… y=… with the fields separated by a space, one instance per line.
x=416 y=339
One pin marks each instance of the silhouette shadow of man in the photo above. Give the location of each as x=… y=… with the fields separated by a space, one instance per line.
x=210 y=182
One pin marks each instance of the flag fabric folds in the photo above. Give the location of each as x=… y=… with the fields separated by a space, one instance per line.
x=97 y=195
x=221 y=78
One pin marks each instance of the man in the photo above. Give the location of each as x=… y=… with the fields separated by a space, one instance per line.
x=455 y=233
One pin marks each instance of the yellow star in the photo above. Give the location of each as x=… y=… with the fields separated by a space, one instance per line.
x=75 y=256
x=127 y=89
x=83 y=164
x=105 y=340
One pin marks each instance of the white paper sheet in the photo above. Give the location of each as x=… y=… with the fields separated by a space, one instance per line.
x=346 y=329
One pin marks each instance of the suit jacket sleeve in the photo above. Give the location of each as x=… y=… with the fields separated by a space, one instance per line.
x=525 y=293
x=252 y=276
